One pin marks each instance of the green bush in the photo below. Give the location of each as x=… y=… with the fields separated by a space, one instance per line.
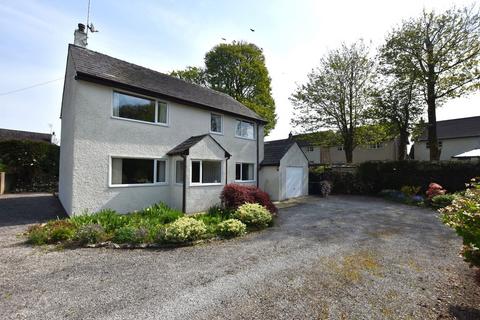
x=183 y=230
x=34 y=164
x=463 y=215
x=109 y=219
x=90 y=234
x=253 y=215
x=442 y=200
x=60 y=230
x=3 y=167
x=37 y=235
x=410 y=191
x=231 y=228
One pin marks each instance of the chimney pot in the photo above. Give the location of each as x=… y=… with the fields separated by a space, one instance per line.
x=81 y=27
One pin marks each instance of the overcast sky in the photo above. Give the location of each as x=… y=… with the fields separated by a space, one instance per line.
x=168 y=34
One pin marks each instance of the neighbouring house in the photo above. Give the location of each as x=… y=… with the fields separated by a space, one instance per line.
x=132 y=137
x=7 y=134
x=284 y=170
x=455 y=136
x=317 y=154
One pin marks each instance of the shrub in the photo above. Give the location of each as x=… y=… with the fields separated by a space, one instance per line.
x=37 y=235
x=3 y=167
x=160 y=213
x=183 y=230
x=34 y=163
x=434 y=189
x=235 y=195
x=442 y=200
x=253 y=215
x=125 y=234
x=463 y=215
x=231 y=228
x=90 y=234
x=109 y=219
x=410 y=191
x=325 y=188
x=220 y=211
x=59 y=230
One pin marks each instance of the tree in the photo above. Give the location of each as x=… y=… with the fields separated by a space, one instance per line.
x=237 y=69
x=336 y=94
x=192 y=74
x=442 y=51
x=398 y=102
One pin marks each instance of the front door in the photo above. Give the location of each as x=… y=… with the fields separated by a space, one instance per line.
x=294 y=182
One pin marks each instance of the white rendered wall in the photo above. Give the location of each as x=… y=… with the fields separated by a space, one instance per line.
x=450 y=148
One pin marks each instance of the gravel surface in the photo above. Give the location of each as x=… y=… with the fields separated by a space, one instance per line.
x=343 y=257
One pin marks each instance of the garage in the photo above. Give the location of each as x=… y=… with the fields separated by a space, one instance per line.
x=284 y=170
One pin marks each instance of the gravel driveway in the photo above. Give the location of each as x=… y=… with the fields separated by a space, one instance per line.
x=339 y=258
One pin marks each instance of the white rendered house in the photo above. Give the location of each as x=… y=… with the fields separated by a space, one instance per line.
x=132 y=137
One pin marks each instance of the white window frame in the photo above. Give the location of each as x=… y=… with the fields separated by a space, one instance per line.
x=241 y=172
x=246 y=138
x=199 y=184
x=157 y=101
x=310 y=149
x=154 y=184
x=376 y=146
x=221 y=123
x=340 y=148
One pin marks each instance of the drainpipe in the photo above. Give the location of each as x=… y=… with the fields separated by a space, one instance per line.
x=227 y=157
x=184 y=187
x=258 y=156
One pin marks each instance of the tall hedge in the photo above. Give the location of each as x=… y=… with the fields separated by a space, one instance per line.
x=373 y=176
x=33 y=164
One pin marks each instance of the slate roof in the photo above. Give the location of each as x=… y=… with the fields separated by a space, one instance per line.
x=7 y=134
x=275 y=150
x=455 y=128
x=94 y=66
x=185 y=146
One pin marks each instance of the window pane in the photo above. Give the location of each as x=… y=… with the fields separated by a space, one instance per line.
x=161 y=171
x=216 y=123
x=238 y=171
x=179 y=172
x=211 y=171
x=247 y=171
x=196 y=171
x=126 y=106
x=132 y=171
x=162 y=112
x=244 y=129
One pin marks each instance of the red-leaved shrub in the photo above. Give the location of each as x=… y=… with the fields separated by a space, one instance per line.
x=234 y=195
x=434 y=189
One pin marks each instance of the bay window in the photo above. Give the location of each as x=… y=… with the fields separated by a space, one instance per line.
x=206 y=172
x=132 y=171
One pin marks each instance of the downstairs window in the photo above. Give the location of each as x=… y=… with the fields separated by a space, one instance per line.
x=131 y=171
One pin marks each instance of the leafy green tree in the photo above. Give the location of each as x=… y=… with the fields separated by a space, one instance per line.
x=442 y=51
x=336 y=94
x=237 y=69
x=397 y=102
x=192 y=74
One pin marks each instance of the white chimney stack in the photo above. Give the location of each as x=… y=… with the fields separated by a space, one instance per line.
x=80 y=36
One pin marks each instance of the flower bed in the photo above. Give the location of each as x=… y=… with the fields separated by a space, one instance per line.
x=154 y=226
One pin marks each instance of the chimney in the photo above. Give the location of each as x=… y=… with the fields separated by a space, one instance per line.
x=290 y=136
x=80 y=36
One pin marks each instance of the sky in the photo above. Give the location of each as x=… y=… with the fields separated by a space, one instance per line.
x=165 y=35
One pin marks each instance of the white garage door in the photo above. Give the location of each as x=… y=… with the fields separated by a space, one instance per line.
x=294 y=182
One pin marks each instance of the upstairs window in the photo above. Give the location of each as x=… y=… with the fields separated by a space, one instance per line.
x=139 y=108
x=244 y=129
x=244 y=172
x=128 y=171
x=216 y=123
x=376 y=146
x=206 y=172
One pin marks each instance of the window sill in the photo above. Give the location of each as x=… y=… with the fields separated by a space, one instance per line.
x=138 y=185
x=244 y=138
x=140 y=121
x=217 y=133
x=245 y=181
x=205 y=184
